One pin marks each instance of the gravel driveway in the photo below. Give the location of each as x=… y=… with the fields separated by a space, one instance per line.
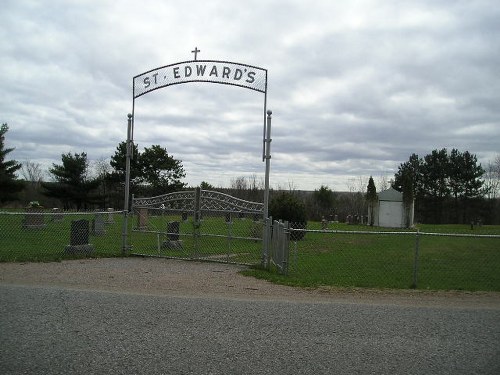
x=159 y=276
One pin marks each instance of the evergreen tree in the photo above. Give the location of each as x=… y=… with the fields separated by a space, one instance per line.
x=9 y=184
x=408 y=199
x=410 y=171
x=440 y=180
x=323 y=201
x=288 y=207
x=152 y=172
x=118 y=163
x=465 y=180
x=160 y=170
x=72 y=184
x=206 y=186
x=371 y=198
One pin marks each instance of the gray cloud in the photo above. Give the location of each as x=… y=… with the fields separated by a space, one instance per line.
x=354 y=88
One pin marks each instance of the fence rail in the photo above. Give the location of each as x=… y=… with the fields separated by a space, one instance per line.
x=396 y=259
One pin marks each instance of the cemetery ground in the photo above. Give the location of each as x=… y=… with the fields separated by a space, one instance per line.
x=346 y=256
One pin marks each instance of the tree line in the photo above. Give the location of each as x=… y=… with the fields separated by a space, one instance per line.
x=446 y=186
x=74 y=186
x=152 y=172
x=449 y=187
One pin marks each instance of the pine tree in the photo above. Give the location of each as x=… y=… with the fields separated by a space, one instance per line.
x=371 y=198
x=72 y=184
x=9 y=184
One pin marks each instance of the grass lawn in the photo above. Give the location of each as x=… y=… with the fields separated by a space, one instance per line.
x=382 y=260
x=216 y=239
x=48 y=244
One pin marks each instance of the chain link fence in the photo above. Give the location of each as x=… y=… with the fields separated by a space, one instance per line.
x=394 y=259
x=222 y=236
x=317 y=254
x=49 y=235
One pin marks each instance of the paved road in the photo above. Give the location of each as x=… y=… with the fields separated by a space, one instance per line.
x=57 y=330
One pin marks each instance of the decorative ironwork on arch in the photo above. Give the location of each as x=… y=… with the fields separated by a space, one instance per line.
x=183 y=200
x=208 y=201
x=216 y=201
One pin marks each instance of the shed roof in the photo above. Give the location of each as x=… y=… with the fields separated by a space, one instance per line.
x=391 y=195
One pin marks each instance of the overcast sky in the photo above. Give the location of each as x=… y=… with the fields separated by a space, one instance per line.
x=355 y=87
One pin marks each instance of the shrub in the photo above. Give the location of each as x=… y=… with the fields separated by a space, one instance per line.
x=287 y=207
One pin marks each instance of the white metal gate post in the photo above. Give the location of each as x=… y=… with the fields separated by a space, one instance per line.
x=266 y=233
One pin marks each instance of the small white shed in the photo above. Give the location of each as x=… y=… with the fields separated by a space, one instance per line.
x=390 y=211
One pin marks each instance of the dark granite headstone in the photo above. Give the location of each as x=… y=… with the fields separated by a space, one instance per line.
x=79 y=238
x=79 y=233
x=173 y=231
x=173 y=242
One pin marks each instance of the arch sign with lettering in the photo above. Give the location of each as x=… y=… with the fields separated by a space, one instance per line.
x=224 y=72
x=211 y=71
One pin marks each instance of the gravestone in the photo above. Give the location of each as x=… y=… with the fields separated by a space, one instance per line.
x=79 y=238
x=56 y=215
x=142 y=218
x=173 y=231
x=111 y=218
x=324 y=223
x=98 y=225
x=173 y=242
x=33 y=219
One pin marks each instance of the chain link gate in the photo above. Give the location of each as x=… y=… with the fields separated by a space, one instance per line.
x=280 y=245
x=198 y=224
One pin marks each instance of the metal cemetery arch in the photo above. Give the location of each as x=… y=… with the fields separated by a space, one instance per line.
x=211 y=71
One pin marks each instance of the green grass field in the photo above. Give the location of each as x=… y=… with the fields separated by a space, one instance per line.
x=49 y=243
x=380 y=260
x=217 y=240
x=352 y=257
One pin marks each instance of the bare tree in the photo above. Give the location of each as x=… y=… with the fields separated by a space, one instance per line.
x=492 y=179
x=100 y=168
x=239 y=183
x=249 y=188
x=357 y=189
x=383 y=183
x=32 y=172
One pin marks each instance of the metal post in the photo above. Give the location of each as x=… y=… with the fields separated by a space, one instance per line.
x=266 y=231
x=229 y=239
x=197 y=221
x=268 y=163
x=415 y=261
x=127 y=184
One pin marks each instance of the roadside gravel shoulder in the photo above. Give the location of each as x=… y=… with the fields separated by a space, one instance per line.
x=214 y=280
